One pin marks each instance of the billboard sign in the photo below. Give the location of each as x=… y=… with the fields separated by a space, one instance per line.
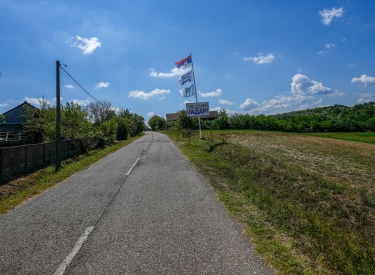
x=197 y=109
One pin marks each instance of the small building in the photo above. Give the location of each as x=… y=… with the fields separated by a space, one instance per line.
x=174 y=116
x=14 y=119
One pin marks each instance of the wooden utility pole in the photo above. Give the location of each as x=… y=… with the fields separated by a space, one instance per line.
x=58 y=117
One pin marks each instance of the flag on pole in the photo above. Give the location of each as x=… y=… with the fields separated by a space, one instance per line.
x=184 y=62
x=186 y=78
x=188 y=91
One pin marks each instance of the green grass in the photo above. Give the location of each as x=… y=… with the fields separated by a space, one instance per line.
x=368 y=137
x=25 y=188
x=302 y=218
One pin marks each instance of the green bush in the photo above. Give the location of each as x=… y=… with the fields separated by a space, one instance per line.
x=122 y=129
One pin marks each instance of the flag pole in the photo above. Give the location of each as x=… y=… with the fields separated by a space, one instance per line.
x=196 y=96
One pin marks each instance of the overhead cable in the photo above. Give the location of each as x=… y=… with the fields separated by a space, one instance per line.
x=79 y=84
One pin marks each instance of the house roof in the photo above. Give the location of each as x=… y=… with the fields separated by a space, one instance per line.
x=24 y=103
x=174 y=116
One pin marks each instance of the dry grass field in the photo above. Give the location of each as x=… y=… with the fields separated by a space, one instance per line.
x=307 y=203
x=344 y=162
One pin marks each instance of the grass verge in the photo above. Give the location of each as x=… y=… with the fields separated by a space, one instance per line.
x=17 y=191
x=308 y=203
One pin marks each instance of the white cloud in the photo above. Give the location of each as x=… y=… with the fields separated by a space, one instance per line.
x=144 y=95
x=218 y=92
x=302 y=85
x=150 y=114
x=116 y=109
x=218 y=109
x=31 y=100
x=35 y=101
x=3 y=104
x=235 y=53
x=261 y=59
x=162 y=98
x=302 y=90
x=249 y=104
x=328 y=15
x=101 y=85
x=174 y=72
x=225 y=102
x=282 y=102
x=330 y=45
x=365 y=80
x=54 y=99
x=311 y=105
x=88 y=46
x=322 y=53
x=364 y=98
x=299 y=70
x=70 y=86
x=83 y=102
x=336 y=93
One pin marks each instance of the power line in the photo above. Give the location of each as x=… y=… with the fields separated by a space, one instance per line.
x=79 y=84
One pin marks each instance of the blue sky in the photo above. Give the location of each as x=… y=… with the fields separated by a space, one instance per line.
x=256 y=57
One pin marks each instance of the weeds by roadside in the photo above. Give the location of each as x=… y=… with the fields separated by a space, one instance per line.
x=303 y=215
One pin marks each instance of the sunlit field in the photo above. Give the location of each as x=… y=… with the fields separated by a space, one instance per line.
x=307 y=202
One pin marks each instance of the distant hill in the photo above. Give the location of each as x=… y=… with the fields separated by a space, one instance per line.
x=337 y=118
x=360 y=112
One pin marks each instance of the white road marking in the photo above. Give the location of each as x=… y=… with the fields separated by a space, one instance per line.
x=146 y=147
x=77 y=247
x=131 y=168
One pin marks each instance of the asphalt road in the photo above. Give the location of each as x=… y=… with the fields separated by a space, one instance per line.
x=141 y=210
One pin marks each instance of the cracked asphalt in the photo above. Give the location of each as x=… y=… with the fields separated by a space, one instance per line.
x=163 y=218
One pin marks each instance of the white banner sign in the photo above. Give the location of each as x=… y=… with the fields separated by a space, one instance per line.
x=197 y=109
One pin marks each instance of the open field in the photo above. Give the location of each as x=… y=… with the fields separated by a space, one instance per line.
x=307 y=203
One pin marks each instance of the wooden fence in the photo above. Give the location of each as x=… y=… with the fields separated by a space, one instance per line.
x=22 y=159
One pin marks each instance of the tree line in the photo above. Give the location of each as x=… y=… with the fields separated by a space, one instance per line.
x=98 y=119
x=337 y=118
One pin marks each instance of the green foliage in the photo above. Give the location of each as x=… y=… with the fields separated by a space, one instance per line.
x=122 y=129
x=101 y=111
x=185 y=124
x=222 y=122
x=40 y=126
x=157 y=123
x=134 y=123
x=74 y=121
x=96 y=124
x=337 y=118
x=132 y=127
x=183 y=121
x=140 y=124
x=109 y=130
